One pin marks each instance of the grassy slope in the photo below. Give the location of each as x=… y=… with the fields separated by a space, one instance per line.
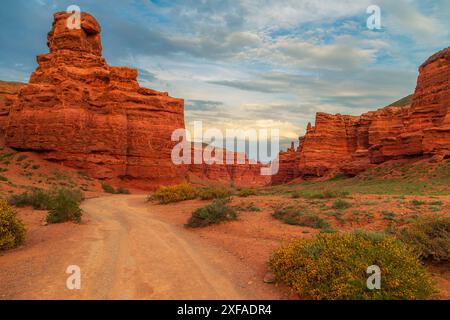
x=390 y=178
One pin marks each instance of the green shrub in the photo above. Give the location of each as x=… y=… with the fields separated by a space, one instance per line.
x=246 y=192
x=338 y=177
x=430 y=237
x=296 y=194
x=37 y=198
x=417 y=203
x=12 y=231
x=300 y=217
x=341 y=204
x=122 y=190
x=214 y=193
x=389 y=215
x=108 y=188
x=65 y=206
x=35 y=166
x=328 y=194
x=21 y=158
x=334 y=266
x=252 y=208
x=6 y=156
x=177 y=193
x=3 y=178
x=217 y=212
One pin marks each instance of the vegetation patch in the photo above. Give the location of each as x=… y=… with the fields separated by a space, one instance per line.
x=65 y=206
x=62 y=203
x=110 y=189
x=122 y=190
x=176 y=193
x=334 y=266
x=211 y=193
x=397 y=179
x=247 y=192
x=21 y=157
x=251 y=207
x=300 y=217
x=429 y=236
x=341 y=204
x=417 y=203
x=12 y=231
x=217 y=212
x=319 y=194
x=389 y=215
x=37 y=198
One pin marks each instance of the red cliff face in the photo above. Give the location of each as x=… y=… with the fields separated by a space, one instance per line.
x=238 y=174
x=81 y=112
x=352 y=144
x=8 y=96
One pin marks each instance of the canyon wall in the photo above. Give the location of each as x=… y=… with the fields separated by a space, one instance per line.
x=8 y=95
x=79 y=111
x=350 y=144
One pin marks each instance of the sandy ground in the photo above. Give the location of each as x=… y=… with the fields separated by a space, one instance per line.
x=128 y=248
x=124 y=252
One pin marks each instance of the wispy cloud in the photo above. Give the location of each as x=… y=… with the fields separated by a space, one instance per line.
x=249 y=62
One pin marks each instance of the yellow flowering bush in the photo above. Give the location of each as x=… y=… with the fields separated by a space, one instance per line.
x=12 y=231
x=335 y=267
x=176 y=193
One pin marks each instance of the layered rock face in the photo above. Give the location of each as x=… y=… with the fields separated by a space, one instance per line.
x=79 y=111
x=8 y=95
x=350 y=144
x=241 y=173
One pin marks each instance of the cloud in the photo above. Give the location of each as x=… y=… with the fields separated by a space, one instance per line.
x=249 y=62
x=202 y=105
x=403 y=17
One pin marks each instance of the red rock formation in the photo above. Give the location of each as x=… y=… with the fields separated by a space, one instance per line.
x=8 y=95
x=238 y=174
x=352 y=144
x=81 y=112
x=288 y=164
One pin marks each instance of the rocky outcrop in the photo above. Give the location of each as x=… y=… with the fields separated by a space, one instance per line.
x=8 y=95
x=348 y=144
x=241 y=173
x=81 y=112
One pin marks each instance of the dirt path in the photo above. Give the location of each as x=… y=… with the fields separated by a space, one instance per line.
x=125 y=252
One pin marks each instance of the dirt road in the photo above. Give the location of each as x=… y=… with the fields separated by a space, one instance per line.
x=124 y=252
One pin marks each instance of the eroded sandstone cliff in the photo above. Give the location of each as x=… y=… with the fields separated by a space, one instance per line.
x=349 y=144
x=79 y=111
x=8 y=95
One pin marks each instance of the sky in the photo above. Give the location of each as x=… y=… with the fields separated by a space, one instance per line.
x=249 y=63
